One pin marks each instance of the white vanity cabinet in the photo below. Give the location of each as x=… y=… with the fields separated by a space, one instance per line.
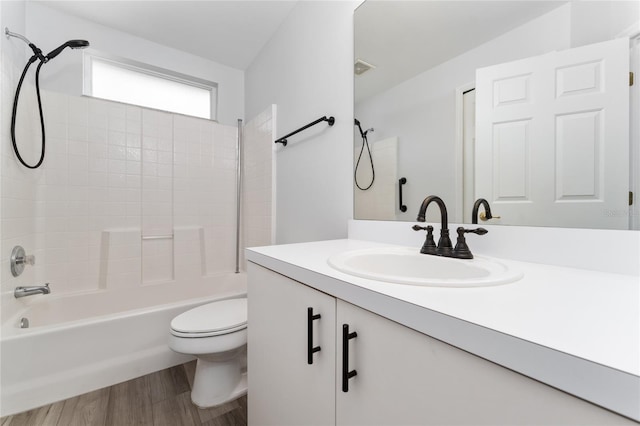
x=403 y=377
x=286 y=389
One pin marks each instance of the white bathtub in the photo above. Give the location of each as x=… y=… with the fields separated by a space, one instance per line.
x=83 y=342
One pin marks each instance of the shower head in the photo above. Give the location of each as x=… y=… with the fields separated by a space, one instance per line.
x=74 y=44
x=363 y=134
x=78 y=44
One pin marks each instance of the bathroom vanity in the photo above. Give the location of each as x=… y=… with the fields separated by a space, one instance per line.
x=325 y=347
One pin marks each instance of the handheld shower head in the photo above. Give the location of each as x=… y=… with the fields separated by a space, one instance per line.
x=37 y=54
x=363 y=134
x=74 y=44
x=78 y=44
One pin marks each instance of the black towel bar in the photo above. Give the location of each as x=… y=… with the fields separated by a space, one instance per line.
x=283 y=140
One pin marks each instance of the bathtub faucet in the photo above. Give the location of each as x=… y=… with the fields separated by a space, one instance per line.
x=30 y=291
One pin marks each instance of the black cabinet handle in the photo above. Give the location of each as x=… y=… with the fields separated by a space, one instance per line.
x=401 y=182
x=310 y=348
x=346 y=374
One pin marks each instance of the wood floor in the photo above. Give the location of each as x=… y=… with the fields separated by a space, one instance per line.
x=158 y=399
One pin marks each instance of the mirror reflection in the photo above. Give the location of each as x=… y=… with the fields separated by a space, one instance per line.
x=525 y=104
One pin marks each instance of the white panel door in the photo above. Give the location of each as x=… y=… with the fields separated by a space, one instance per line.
x=552 y=138
x=285 y=389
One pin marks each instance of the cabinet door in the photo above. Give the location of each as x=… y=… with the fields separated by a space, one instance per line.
x=407 y=378
x=284 y=388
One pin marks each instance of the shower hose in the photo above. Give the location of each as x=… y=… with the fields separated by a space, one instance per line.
x=365 y=142
x=15 y=110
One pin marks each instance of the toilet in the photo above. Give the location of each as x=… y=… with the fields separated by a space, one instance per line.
x=216 y=334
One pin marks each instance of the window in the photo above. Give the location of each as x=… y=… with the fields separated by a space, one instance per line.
x=135 y=83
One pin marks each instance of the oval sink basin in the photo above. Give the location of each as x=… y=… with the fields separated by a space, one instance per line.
x=406 y=265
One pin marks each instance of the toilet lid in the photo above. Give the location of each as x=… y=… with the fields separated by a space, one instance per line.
x=213 y=318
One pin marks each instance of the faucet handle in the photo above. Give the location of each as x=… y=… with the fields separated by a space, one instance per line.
x=429 y=246
x=479 y=231
x=19 y=258
x=484 y=216
x=461 y=251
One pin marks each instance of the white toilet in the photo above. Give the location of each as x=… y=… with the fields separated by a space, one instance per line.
x=216 y=333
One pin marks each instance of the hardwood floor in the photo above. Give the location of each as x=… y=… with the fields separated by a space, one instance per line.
x=158 y=399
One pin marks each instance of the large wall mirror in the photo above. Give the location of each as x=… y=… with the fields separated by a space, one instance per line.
x=526 y=104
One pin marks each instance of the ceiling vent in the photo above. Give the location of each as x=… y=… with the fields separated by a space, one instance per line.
x=361 y=66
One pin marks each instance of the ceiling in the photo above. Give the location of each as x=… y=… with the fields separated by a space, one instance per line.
x=405 y=38
x=228 y=32
x=232 y=32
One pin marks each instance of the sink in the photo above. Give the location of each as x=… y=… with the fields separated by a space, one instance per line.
x=406 y=265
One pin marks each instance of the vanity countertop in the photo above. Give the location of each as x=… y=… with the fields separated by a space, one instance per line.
x=574 y=329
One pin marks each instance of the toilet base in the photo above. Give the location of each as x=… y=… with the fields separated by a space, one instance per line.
x=239 y=391
x=218 y=382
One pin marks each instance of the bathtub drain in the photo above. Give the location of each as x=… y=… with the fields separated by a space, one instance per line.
x=24 y=322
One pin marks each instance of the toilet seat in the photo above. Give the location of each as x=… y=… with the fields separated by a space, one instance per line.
x=212 y=319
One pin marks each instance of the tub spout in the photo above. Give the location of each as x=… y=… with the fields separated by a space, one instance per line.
x=29 y=291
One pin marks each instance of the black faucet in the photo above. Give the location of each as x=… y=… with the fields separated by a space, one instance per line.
x=444 y=247
x=476 y=207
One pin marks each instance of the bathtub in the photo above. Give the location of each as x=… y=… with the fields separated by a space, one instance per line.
x=86 y=341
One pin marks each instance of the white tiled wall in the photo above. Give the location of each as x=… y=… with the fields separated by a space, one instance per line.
x=258 y=176
x=17 y=186
x=115 y=174
x=157 y=194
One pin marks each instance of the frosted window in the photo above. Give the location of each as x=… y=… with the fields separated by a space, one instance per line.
x=129 y=84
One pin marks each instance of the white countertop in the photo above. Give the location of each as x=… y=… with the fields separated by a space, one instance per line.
x=574 y=329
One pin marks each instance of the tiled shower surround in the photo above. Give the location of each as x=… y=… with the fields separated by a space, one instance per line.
x=128 y=196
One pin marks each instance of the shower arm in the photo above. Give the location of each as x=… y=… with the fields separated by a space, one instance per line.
x=37 y=53
x=20 y=36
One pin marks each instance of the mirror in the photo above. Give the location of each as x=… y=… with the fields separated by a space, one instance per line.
x=498 y=100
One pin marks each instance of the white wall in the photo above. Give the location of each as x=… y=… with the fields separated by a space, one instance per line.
x=12 y=16
x=307 y=70
x=596 y=21
x=48 y=28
